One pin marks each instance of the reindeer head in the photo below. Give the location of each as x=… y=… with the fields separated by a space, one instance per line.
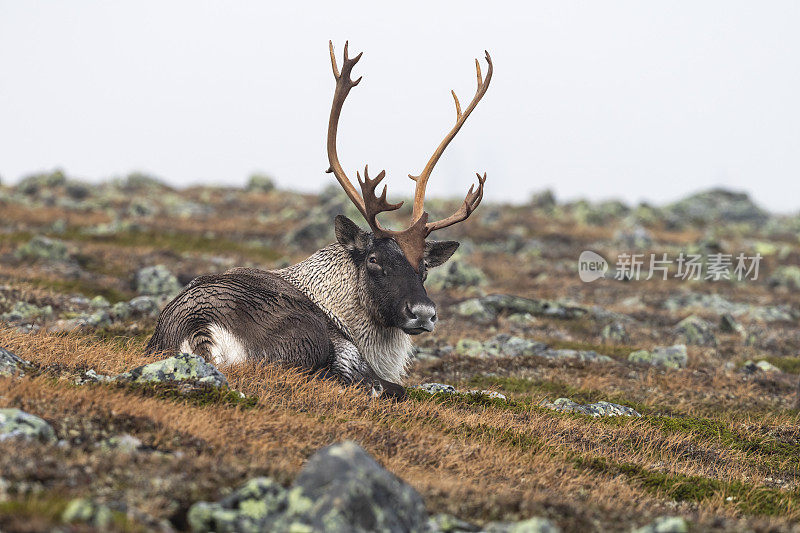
x=394 y=263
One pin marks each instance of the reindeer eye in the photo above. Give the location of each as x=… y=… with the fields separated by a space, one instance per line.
x=373 y=260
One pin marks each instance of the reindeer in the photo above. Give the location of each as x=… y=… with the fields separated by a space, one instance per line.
x=348 y=310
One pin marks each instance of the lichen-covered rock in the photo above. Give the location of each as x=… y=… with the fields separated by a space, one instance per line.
x=785 y=276
x=504 y=345
x=343 y=489
x=695 y=330
x=43 y=248
x=475 y=310
x=15 y=423
x=718 y=205
x=11 y=364
x=488 y=307
x=90 y=376
x=181 y=367
x=121 y=443
x=565 y=405
x=750 y=367
x=728 y=324
x=667 y=356
x=588 y=356
x=157 y=280
x=469 y=348
x=615 y=333
x=437 y=388
x=143 y=306
x=455 y=274
x=531 y=525
x=99 y=302
x=665 y=524
x=445 y=523
x=260 y=183
x=84 y=510
x=247 y=509
x=121 y=310
x=491 y=394
x=26 y=312
x=634 y=238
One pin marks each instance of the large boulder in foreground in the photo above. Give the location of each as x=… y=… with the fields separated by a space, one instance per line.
x=182 y=367
x=341 y=489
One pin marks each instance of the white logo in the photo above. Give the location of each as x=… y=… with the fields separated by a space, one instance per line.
x=591 y=266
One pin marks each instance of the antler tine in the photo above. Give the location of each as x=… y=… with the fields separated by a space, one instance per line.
x=471 y=202
x=373 y=203
x=461 y=117
x=343 y=85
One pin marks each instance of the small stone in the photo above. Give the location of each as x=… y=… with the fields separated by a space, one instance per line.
x=247 y=509
x=469 y=348
x=668 y=356
x=144 y=305
x=475 y=310
x=121 y=310
x=437 y=388
x=43 y=248
x=99 y=302
x=182 y=367
x=15 y=423
x=615 y=333
x=750 y=367
x=597 y=409
x=11 y=364
x=260 y=183
x=157 y=280
x=86 y=511
x=695 y=330
x=665 y=524
x=728 y=324
x=494 y=395
x=455 y=274
x=122 y=443
x=445 y=523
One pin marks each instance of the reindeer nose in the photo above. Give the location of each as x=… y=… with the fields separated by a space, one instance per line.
x=420 y=316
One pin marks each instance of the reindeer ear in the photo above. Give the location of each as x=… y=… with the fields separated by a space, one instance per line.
x=438 y=252
x=349 y=235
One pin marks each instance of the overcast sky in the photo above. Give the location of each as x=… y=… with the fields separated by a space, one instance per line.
x=633 y=100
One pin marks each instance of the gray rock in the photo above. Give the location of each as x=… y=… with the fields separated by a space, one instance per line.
x=543 y=200
x=84 y=510
x=728 y=324
x=634 y=238
x=505 y=345
x=90 y=376
x=181 y=367
x=666 y=356
x=455 y=274
x=718 y=205
x=750 y=367
x=34 y=183
x=475 y=310
x=532 y=525
x=437 y=388
x=787 y=276
x=488 y=307
x=247 y=509
x=615 y=333
x=717 y=304
x=565 y=405
x=260 y=183
x=469 y=348
x=445 y=523
x=343 y=489
x=143 y=306
x=26 y=312
x=43 y=248
x=665 y=524
x=122 y=310
x=15 y=423
x=491 y=394
x=157 y=280
x=121 y=443
x=11 y=364
x=99 y=302
x=588 y=356
x=695 y=330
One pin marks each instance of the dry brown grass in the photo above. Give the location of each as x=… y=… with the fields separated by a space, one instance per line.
x=479 y=462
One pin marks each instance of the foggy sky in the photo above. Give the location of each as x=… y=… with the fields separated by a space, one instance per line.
x=630 y=100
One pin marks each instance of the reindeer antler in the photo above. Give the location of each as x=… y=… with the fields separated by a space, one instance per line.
x=412 y=239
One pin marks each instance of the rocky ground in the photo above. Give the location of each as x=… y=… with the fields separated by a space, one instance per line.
x=541 y=403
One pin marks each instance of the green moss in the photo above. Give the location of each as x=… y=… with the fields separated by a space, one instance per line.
x=749 y=498
x=790 y=364
x=177 y=242
x=200 y=394
x=83 y=287
x=48 y=508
